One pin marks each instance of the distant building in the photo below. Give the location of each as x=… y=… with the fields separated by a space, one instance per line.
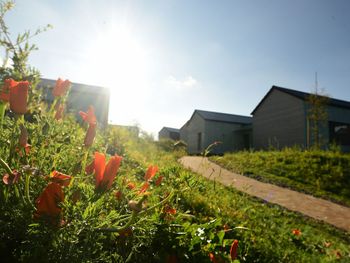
x=169 y=133
x=281 y=120
x=234 y=132
x=81 y=96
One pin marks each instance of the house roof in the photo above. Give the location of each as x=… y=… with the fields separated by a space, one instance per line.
x=171 y=129
x=303 y=96
x=223 y=117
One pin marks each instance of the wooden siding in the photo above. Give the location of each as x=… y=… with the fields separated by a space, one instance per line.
x=279 y=122
x=227 y=133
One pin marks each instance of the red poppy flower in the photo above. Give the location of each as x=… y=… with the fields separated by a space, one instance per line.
x=89 y=116
x=90 y=135
x=159 y=180
x=144 y=187
x=233 y=250
x=47 y=205
x=296 y=232
x=13 y=178
x=60 y=178
x=61 y=87
x=5 y=91
x=18 y=97
x=151 y=171
x=105 y=174
x=59 y=112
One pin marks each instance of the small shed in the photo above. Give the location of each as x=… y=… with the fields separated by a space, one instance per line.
x=169 y=133
x=80 y=97
x=281 y=119
x=228 y=131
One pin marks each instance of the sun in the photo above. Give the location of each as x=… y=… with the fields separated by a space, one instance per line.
x=118 y=57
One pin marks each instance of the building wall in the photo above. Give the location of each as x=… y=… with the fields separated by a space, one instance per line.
x=163 y=134
x=227 y=133
x=279 y=122
x=80 y=98
x=190 y=134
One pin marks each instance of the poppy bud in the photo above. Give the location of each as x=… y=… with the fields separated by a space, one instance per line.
x=23 y=138
x=61 y=87
x=90 y=135
x=18 y=97
x=135 y=206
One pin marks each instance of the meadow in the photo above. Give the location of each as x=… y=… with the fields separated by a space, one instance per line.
x=324 y=174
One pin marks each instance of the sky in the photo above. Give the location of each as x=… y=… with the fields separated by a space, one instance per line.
x=164 y=59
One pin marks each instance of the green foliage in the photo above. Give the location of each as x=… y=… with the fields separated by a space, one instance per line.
x=322 y=173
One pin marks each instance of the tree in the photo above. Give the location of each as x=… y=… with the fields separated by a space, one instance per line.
x=317 y=117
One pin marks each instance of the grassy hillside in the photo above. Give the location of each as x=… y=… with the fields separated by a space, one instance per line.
x=324 y=174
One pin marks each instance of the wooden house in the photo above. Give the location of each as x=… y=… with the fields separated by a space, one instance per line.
x=80 y=97
x=169 y=133
x=282 y=119
x=231 y=132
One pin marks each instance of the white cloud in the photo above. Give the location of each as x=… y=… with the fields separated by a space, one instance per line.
x=188 y=83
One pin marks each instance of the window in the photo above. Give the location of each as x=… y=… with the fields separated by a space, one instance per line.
x=339 y=133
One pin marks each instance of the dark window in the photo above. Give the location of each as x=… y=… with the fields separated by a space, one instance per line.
x=339 y=133
x=199 y=141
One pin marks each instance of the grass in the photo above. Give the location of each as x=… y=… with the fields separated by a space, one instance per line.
x=324 y=174
x=264 y=230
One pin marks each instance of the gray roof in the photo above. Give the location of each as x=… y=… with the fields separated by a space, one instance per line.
x=171 y=129
x=223 y=117
x=304 y=96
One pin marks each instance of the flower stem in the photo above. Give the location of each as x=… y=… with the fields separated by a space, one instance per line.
x=5 y=166
x=2 y=113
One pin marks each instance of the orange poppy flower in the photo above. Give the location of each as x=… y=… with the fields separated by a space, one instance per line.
x=5 y=91
x=18 y=97
x=159 y=180
x=89 y=116
x=144 y=187
x=296 y=232
x=59 y=112
x=151 y=171
x=61 y=87
x=90 y=135
x=47 y=203
x=130 y=185
x=169 y=210
x=23 y=140
x=233 y=250
x=212 y=258
x=60 y=178
x=105 y=174
x=118 y=195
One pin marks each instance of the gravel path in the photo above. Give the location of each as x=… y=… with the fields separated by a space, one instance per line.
x=316 y=208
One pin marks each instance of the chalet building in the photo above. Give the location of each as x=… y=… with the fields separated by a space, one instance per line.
x=234 y=132
x=169 y=133
x=80 y=97
x=282 y=119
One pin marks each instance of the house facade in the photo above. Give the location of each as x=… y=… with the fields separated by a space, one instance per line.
x=80 y=97
x=282 y=119
x=169 y=133
x=233 y=132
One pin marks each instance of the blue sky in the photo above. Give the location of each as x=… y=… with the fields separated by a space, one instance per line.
x=163 y=59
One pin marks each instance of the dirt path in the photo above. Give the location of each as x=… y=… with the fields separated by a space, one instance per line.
x=320 y=209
